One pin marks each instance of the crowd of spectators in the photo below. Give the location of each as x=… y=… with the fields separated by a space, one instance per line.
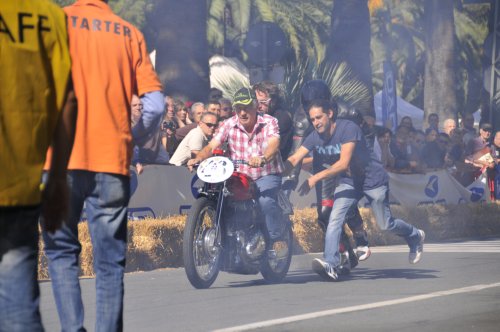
x=463 y=151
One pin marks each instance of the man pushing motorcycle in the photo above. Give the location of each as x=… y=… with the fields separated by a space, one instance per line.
x=253 y=138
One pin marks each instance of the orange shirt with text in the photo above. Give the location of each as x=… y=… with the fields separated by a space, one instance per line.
x=109 y=63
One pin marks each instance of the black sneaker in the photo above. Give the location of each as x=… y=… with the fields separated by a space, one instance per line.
x=416 y=254
x=325 y=270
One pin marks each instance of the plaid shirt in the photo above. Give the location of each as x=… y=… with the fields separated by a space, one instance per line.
x=243 y=145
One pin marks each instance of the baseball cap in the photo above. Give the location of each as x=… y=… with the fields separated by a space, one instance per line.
x=243 y=96
x=486 y=126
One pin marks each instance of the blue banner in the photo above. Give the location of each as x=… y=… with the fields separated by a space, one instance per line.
x=389 y=101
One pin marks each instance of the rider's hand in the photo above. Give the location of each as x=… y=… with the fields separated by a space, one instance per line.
x=191 y=163
x=256 y=161
x=306 y=186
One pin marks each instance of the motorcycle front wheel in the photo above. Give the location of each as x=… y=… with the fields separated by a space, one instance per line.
x=201 y=249
x=274 y=266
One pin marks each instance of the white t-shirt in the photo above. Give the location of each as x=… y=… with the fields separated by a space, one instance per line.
x=195 y=140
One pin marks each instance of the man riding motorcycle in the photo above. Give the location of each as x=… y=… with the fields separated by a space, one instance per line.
x=254 y=138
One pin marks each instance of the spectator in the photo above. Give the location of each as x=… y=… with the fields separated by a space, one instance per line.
x=417 y=142
x=270 y=101
x=449 y=125
x=181 y=114
x=214 y=94
x=399 y=149
x=196 y=111
x=455 y=152
x=433 y=122
x=36 y=82
x=135 y=110
x=226 y=109
x=107 y=68
x=478 y=146
x=433 y=153
x=468 y=128
x=195 y=140
x=495 y=173
x=213 y=106
x=151 y=151
x=169 y=107
x=168 y=134
x=382 y=148
x=407 y=122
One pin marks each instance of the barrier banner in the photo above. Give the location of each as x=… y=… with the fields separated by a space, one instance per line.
x=435 y=187
x=163 y=190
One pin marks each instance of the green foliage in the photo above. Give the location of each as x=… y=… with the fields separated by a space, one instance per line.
x=343 y=86
x=306 y=23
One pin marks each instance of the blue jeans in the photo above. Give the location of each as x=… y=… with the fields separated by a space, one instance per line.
x=345 y=198
x=106 y=197
x=19 y=292
x=268 y=187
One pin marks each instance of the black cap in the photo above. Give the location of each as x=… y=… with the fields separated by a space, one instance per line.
x=243 y=96
x=486 y=126
x=312 y=90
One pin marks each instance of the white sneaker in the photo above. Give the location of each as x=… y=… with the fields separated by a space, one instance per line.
x=416 y=256
x=325 y=270
x=363 y=253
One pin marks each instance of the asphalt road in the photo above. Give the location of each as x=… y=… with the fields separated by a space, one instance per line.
x=456 y=287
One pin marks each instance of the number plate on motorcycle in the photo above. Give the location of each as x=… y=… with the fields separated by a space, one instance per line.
x=215 y=169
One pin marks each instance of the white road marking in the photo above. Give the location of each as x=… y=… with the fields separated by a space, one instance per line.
x=312 y=315
x=490 y=246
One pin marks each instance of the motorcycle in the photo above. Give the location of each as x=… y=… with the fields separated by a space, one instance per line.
x=226 y=230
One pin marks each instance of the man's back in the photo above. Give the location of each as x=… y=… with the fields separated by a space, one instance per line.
x=110 y=63
x=34 y=71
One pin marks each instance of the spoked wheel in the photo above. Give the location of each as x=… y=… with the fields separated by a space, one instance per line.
x=201 y=250
x=275 y=264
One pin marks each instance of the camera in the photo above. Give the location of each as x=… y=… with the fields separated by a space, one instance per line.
x=168 y=125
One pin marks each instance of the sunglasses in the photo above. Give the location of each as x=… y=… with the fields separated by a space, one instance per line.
x=264 y=101
x=210 y=125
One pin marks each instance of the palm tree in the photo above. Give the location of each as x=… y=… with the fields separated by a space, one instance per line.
x=350 y=42
x=304 y=22
x=439 y=90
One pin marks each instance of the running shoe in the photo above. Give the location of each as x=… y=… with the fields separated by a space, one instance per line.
x=325 y=270
x=416 y=253
x=363 y=253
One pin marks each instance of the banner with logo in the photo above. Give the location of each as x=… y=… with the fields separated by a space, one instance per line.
x=389 y=100
x=435 y=187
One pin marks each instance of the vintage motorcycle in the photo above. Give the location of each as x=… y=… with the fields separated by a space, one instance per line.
x=226 y=231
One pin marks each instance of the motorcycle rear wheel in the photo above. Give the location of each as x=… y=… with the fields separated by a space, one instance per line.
x=201 y=250
x=275 y=267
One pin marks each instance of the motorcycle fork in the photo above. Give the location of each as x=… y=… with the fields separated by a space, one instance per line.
x=220 y=205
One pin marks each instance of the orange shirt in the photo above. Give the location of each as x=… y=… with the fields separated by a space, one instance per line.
x=109 y=63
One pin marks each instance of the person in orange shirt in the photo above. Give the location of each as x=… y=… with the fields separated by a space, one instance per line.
x=109 y=64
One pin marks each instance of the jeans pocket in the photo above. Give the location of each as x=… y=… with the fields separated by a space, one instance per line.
x=112 y=189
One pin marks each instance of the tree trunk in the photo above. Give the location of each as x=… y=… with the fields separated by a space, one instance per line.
x=181 y=47
x=439 y=86
x=349 y=42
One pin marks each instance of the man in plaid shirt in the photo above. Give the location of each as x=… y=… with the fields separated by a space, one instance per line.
x=254 y=138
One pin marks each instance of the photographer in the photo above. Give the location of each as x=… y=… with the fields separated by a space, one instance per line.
x=168 y=139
